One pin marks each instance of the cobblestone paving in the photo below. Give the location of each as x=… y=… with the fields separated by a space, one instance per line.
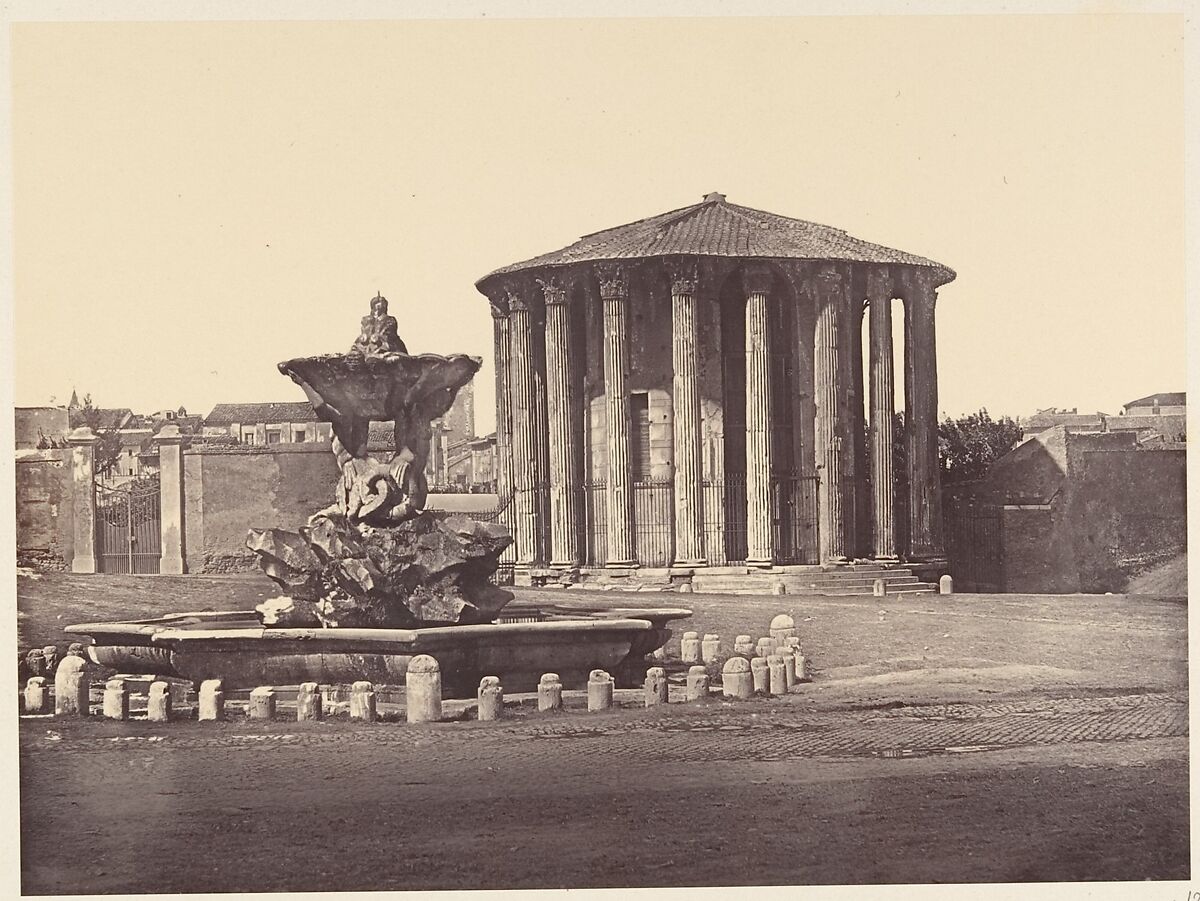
x=756 y=730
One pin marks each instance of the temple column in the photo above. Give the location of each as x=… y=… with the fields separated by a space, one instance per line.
x=921 y=426
x=689 y=503
x=619 y=496
x=503 y=471
x=564 y=527
x=857 y=500
x=760 y=531
x=830 y=290
x=526 y=521
x=883 y=392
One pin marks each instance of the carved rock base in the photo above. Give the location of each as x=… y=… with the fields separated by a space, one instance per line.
x=431 y=570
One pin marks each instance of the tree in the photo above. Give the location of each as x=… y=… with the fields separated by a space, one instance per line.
x=108 y=450
x=969 y=445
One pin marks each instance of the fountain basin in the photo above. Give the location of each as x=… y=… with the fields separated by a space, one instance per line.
x=237 y=649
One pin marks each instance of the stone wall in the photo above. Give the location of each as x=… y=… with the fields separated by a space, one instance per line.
x=44 y=518
x=230 y=490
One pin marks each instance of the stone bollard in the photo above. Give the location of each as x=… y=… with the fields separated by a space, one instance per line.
x=158 y=703
x=765 y=647
x=697 y=684
x=489 y=699
x=309 y=706
x=116 y=700
x=423 y=688
x=35 y=662
x=600 y=690
x=689 y=647
x=362 y=702
x=262 y=703
x=789 y=667
x=212 y=700
x=736 y=680
x=744 y=644
x=782 y=628
x=549 y=692
x=71 y=689
x=778 y=588
x=50 y=655
x=656 y=687
x=37 y=698
x=778 y=684
x=760 y=675
x=879 y=588
x=710 y=648
x=659 y=653
x=685 y=588
x=801 y=669
x=946 y=584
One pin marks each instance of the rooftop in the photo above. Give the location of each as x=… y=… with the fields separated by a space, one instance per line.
x=1169 y=399
x=716 y=227
x=250 y=414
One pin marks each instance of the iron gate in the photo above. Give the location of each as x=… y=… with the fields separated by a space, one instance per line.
x=128 y=526
x=974 y=545
x=794 y=503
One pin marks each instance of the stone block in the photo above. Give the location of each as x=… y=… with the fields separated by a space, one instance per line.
x=778 y=677
x=37 y=696
x=765 y=647
x=743 y=644
x=116 y=700
x=490 y=698
x=549 y=692
x=689 y=647
x=158 y=702
x=879 y=588
x=789 y=667
x=599 y=690
x=262 y=703
x=362 y=702
x=212 y=700
x=760 y=676
x=697 y=684
x=423 y=690
x=946 y=584
x=656 y=687
x=72 y=696
x=778 y=588
x=309 y=703
x=801 y=669
x=736 y=679
x=35 y=662
x=782 y=628
x=710 y=648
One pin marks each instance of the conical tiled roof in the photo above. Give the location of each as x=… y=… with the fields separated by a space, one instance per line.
x=715 y=227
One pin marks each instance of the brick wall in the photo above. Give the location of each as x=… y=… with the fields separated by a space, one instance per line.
x=45 y=522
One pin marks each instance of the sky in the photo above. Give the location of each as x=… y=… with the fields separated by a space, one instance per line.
x=194 y=202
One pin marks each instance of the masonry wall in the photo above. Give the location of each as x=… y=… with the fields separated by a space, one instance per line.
x=45 y=524
x=230 y=490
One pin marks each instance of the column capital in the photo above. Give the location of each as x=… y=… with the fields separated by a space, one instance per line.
x=920 y=281
x=757 y=278
x=552 y=290
x=612 y=281
x=83 y=436
x=879 y=283
x=684 y=273
x=516 y=300
x=168 y=435
x=498 y=303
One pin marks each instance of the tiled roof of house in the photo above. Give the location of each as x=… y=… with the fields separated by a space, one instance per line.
x=1169 y=399
x=109 y=417
x=250 y=414
x=715 y=227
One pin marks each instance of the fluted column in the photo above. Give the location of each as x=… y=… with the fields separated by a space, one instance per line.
x=619 y=496
x=760 y=532
x=924 y=469
x=883 y=392
x=503 y=357
x=526 y=519
x=689 y=499
x=830 y=289
x=564 y=527
x=857 y=501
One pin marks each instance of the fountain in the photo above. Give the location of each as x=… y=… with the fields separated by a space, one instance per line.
x=376 y=579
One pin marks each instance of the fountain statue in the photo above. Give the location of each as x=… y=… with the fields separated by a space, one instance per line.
x=376 y=557
x=374 y=579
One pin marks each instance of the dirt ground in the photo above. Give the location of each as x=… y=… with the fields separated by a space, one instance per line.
x=944 y=739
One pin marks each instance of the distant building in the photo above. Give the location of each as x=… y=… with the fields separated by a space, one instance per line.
x=454 y=451
x=266 y=423
x=1173 y=403
x=1072 y=420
